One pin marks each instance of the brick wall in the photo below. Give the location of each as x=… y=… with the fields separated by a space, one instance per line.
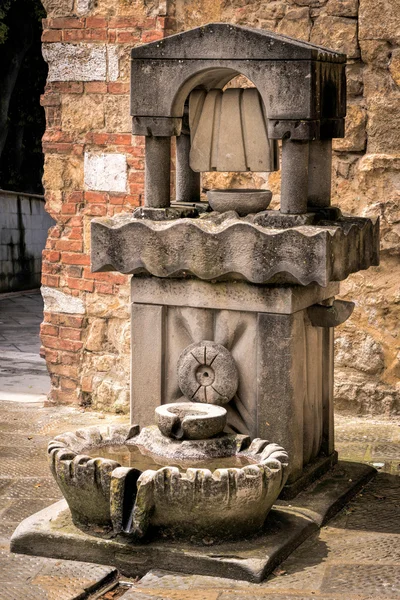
x=94 y=167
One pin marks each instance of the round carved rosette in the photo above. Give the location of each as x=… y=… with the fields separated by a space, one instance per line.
x=207 y=373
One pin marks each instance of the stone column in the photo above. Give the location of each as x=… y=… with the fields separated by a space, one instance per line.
x=157 y=171
x=187 y=180
x=294 y=186
x=320 y=173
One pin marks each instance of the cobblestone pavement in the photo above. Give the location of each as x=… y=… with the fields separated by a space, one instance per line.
x=23 y=373
x=355 y=557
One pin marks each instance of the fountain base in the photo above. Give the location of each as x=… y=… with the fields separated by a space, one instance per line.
x=52 y=533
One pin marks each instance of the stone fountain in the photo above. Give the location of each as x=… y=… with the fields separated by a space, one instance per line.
x=233 y=310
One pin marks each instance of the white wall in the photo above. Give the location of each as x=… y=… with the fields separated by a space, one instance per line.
x=24 y=224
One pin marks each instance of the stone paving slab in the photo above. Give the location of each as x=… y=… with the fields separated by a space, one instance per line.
x=365 y=533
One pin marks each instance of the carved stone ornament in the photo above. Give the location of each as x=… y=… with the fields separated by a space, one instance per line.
x=207 y=373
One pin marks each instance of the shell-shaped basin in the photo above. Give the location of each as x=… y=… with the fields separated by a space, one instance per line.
x=219 y=503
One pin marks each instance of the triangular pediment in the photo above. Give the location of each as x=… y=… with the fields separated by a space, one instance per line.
x=222 y=41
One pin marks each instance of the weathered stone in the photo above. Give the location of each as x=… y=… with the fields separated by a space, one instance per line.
x=81 y=114
x=189 y=252
x=356 y=137
x=75 y=62
x=83 y=7
x=383 y=129
x=228 y=295
x=58 y=8
x=360 y=352
x=342 y=8
x=96 y=335
x=117 y=116
x=113 y=55
x=394 y=66
x=354 y=77
x=106 y=172
x=207 y=373
x=229 y=132
x=376 y=52
x=296 y=23
x=379 y=20
x=59 y=302
x=52 y=533
x=330 y=316
x=190 y=421
x=242 y=201
x=338 y=33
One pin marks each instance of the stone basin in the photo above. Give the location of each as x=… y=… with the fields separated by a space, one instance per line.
x=224 y=246
x=190 y=421
x=228 y=500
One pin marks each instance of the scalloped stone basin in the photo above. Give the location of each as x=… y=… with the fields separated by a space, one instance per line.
x=224 y=246
x=229 y=499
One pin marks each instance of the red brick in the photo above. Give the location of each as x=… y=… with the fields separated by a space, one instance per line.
x=93 y=35
x=96 y=210
x=96 y=22
x=60 y=344
x=96 y=197
x=75 y=233
x=66 y=23
x=70 y=371
x=68 y=208
x=115 y=87
x=75 y=221
x=58 y=148
x=50 y=99
x=104 y=288
x=57 y=136
x=70 y=321
x=51 y=256
x=96 y=87
x=69 y=245
x=101 y=139
x=75 y=196
x=51 y=280
x=71 y=333
x=112 y=35
x=51 y=356
x=52 y=35
x=68 y=87
x=67 y=384
x=117 y=199
x=128 y=37
x=80 y=284
x=87 y=383
x=77 y=149
x=73 y=271
x=71 y=359
x=46 y=329
x=125 y=139
x=152 y=36
x=72 y=258
x=123 y=22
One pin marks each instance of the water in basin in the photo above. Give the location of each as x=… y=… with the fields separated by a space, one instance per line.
x=131 y=456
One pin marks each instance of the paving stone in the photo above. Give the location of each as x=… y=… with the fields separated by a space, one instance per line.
x=380 y=580
x=32 y=487
x=17 y=510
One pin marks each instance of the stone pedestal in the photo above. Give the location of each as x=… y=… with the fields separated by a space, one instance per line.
x=284 y=362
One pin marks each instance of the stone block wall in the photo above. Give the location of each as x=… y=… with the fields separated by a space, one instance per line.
x=94 y=167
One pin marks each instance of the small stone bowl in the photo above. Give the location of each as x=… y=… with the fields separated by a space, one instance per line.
x=244 y=202
x=190 y=420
